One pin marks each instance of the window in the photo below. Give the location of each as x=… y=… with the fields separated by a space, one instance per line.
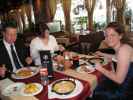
x=128 y=13
x=99 y=16
x=59 y=15
x=78 y=16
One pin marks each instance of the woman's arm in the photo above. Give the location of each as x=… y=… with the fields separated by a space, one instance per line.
x=123 y=58
x=110 y=56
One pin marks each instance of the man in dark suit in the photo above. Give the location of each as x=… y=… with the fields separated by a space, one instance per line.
x=13 y=54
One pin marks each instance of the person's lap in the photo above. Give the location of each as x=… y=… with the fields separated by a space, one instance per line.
x=107 y=90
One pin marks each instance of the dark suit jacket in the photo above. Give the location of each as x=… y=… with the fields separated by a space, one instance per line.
x=4 y=57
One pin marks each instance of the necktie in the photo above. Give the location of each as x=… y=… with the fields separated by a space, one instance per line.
x=15 y=58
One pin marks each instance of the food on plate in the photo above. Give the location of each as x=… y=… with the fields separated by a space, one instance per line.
x=85 y=69
x=84 y=58
x=96 y=60
x=30 y=88
x=24 y=73
x=63 y=86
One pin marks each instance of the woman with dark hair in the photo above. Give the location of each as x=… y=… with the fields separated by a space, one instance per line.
x=44 y=41
x=118 y=84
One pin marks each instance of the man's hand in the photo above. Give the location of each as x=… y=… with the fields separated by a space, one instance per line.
x=2 y=71
x=28 y=60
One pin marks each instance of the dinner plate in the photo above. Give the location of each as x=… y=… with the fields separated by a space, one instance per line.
x=63 y=87
x=101 y=60
x=25 y=73
x=82 y=62
x=96 y=60
x=31 y=89
x=77 y=90
x=85 y=69
x=13 y=89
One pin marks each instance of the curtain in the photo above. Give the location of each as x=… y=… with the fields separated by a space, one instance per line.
x=67 y=8
x=37 y=7
x=41 y=10
x=52 y=8
x=28 y=11
x=90 y=5
x=108 y=12
x=30 y=14
x=24 y=17
x=120 y=6
x=19 y=21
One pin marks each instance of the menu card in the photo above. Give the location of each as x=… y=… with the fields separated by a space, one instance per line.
x=46 y=61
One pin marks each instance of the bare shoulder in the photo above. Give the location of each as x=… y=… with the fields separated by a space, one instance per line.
x=126 y=48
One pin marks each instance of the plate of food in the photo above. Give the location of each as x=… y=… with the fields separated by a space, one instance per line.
x=85 y=69
x=31 y=89
x=95 y=60
x=84 y=58
x=13 y=89
x=24 y=73
x=81 y=62
x=64 y=88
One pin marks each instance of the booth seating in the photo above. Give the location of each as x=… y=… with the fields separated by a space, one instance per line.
x=88 y=43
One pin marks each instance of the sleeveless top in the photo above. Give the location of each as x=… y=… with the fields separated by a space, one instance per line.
x=126 y=87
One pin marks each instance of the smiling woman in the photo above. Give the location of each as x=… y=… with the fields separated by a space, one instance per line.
x=118 y=84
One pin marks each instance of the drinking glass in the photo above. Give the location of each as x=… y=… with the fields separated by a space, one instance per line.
x=44 y=76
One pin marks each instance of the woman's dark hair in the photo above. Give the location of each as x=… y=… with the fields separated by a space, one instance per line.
x=41 y=28
x=127 y=38
x=119 y=28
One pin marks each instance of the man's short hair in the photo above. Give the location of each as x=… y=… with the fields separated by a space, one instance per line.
x=10 y=23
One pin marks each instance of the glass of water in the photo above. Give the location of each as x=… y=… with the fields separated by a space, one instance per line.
x=44 y=76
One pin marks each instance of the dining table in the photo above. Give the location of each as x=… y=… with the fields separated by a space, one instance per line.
x=57 y=75
x=88 y=80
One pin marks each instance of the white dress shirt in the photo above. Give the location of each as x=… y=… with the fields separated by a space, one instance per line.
x=37 y=45
x=8 y=48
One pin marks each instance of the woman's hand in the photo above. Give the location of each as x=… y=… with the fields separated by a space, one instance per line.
x=98 y=53
x=61 y=48
x=99 y=67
